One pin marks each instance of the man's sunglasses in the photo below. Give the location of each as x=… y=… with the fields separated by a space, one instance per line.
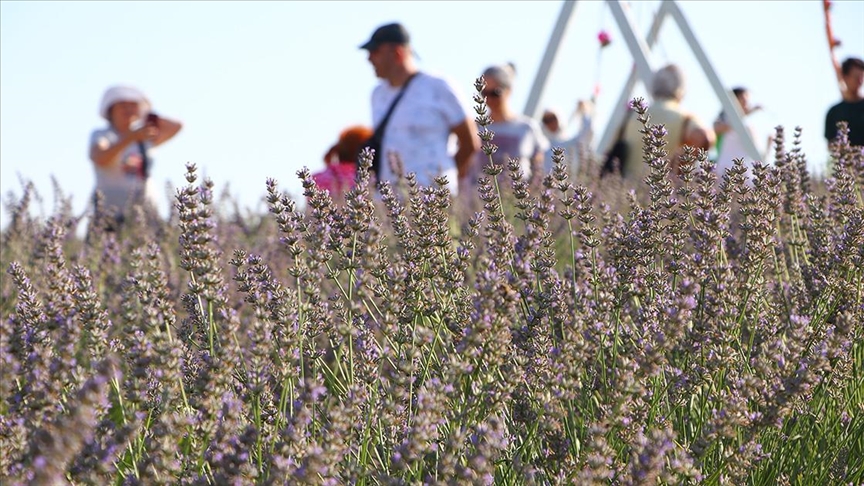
x=492 y=93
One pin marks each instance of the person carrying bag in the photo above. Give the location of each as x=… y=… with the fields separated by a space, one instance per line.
x=377 y=137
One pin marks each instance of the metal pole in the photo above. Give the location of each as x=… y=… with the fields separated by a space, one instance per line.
x=638 y=48
x=531 y=106
x=619 y=109
x=730 y=106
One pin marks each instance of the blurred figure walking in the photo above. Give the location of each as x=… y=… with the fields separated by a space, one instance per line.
x=682 y=127
x=573 y=145
x=417 y=112
x=729 y=143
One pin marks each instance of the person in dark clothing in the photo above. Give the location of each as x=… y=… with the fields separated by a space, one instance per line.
x=851 y=108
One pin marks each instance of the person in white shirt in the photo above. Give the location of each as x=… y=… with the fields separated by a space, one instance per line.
x=121 y=151
x=729 y=143
x=517 y=136
x=573 y=145
x=420 y=126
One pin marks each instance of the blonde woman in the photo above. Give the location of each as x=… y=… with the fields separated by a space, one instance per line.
x=517 y=136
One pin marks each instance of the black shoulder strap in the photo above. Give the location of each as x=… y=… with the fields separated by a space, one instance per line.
x=379 y=130
x=145 y=162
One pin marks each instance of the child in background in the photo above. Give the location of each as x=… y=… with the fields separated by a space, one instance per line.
x=341 y=162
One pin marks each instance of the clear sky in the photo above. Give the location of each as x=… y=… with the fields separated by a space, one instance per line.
x=263 y=88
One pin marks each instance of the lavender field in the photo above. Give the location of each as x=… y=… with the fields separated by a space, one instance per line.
x=693 y=329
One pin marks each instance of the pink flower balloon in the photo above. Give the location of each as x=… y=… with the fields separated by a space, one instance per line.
x=604 y=38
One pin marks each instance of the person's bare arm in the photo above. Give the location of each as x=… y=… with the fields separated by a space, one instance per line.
x=585 y=134
x=752 y=109
x=697 y=134
x=710 y=136
x=167 y=128
x=701 y=137
x=721 y=127
x=469 y=144
x=103 y=154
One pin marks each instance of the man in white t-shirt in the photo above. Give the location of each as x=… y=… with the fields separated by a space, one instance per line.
x=425 y=116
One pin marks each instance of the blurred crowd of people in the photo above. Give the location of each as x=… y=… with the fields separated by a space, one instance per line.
x=418 y=116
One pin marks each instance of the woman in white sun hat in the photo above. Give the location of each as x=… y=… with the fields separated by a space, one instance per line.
x=121 y=151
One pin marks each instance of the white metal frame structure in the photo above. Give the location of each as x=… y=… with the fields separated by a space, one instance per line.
x=640 y=49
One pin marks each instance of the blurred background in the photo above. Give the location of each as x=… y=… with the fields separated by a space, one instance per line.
x=264 y=88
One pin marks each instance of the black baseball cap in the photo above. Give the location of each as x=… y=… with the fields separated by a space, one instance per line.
x=391 y=33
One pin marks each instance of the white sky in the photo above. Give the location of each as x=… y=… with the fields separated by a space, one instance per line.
x=264 y=88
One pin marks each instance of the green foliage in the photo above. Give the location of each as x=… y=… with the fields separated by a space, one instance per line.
x=534 y=331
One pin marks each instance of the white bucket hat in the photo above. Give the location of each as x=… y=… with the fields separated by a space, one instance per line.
x=116 y=94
